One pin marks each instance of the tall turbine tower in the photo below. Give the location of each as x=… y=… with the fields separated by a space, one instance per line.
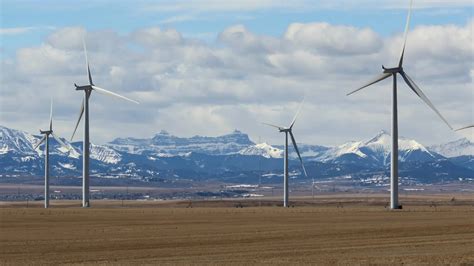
x=45 y=139
x=288 y=131
x=387 y=72
x=85 y=111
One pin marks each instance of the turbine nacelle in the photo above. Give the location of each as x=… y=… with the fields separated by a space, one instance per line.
x=393 y=70
x=47 y=132
x=83 y=88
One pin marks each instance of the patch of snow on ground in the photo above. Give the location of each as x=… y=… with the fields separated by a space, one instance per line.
x=242 y=186
x=67 y=166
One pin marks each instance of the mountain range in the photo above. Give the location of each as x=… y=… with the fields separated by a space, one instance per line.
x=165 y=158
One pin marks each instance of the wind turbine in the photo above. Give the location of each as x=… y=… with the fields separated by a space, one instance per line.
x=85 y=111
x=387 y=72
x=471 y=126
x=45 y=139
x=288 y=131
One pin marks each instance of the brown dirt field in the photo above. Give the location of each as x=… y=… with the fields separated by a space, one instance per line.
x=168 y=233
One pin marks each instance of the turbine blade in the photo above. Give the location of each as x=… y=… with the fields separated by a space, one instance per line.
x=471 y=126
x=275 y=126
x=39 y=143
x=106 y=92
x=60 y=141
x=316 y=186
x=373 y=81
x=81 y=112
x=297 y=113
x=405 y=36
x=51 y=116
x=87 y=62
x=298 y=152
x=420 y=94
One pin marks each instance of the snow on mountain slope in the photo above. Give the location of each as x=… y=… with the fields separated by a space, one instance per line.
x=12 y=140
x=100 y=153
x=346 y=148
x=378 y=149
x=164 y=143
x=456 y=148
x=307 y=150
x=262 y=149
x=382 y=142
x=165 y=156
x=105 y=154
x=22 y=143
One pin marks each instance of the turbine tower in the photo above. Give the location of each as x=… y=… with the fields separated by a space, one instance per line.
x=45 y=139
x=288 y=131
x=392 y=72
x=85 y=111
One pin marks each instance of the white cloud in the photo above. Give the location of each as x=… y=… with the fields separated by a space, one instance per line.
x=13 y=31
x=67 y=38
x=180 y=18
x=156 y=37
x=22 y=30
x=335 y=40
x=189 y=87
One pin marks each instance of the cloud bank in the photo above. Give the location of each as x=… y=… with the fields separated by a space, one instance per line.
x=189 y=87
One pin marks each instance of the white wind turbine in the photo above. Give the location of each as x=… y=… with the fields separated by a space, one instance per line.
x=45 y=139
x=85 y=111
x=392 y=72
x=288 y=131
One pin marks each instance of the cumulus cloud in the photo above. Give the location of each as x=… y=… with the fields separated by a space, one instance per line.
x=334 y=40
x=156 y=37
x=189 y=87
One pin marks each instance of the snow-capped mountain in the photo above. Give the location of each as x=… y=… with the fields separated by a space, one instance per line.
x=232 y=157
x=17 y=147
x=455 y=148
x=163 y=143
x=22 y=143
x=100 y=153
x=377 y=151
x=262 y=149
x=16 y=141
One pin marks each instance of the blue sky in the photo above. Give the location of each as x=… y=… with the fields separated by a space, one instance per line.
x=207 y=67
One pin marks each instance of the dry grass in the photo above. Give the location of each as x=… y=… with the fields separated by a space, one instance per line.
x=165 y=233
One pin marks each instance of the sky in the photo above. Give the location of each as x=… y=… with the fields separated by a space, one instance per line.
x=207 y=67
